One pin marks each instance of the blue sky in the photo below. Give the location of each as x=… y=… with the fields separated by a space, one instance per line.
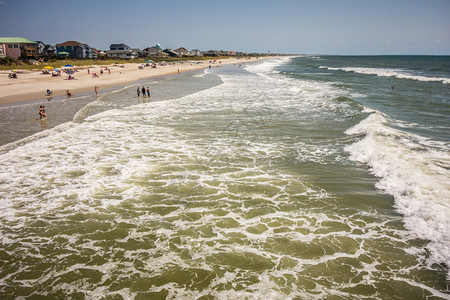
x=286 y=26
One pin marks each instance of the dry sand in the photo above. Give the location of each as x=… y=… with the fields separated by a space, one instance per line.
x=31 y=85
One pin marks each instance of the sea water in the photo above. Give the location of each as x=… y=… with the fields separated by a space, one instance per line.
x=293 y=178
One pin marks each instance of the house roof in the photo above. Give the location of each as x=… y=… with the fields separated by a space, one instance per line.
x=119 y=46
x=49 y=47
x=16 y=40
x=70 y=43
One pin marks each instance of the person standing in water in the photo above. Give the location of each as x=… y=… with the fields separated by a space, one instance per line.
x=96 y=90
x=143 y=91
x=42 y=114
x=148 y=91
x=138 y=92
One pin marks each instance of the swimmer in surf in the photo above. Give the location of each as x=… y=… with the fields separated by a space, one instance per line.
x=42 y=114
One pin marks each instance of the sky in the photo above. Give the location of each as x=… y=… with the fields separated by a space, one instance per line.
x=341 y=27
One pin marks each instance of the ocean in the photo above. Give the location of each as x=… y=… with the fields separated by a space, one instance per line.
x=307 y=177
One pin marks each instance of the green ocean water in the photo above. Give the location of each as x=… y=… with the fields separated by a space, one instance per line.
x=294 y=178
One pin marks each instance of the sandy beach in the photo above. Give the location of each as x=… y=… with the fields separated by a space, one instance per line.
x=32 y=85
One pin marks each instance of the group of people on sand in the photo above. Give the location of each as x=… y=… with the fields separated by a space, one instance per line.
x=95 y=75
x=143 y=91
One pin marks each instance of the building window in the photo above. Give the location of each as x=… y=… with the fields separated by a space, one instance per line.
x=10 y=46
x=16 y=46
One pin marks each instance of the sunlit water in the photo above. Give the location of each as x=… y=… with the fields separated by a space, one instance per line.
x=291 y=178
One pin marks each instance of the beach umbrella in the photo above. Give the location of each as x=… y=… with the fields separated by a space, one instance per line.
x=68 y=66
x=64 y=53
x=48 y=67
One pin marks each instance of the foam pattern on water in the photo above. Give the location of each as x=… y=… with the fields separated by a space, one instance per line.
x=389 y=72
x=415 y=172
x=206 y=195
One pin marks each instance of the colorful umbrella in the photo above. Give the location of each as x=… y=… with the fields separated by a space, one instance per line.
x=48 y=67
x=68 y=66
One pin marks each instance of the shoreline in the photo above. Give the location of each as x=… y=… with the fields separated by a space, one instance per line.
x=32 y=85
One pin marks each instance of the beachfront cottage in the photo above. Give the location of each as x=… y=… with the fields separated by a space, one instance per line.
x=122 y=51
x=196 y=52
x=172 y=53
x=124 y=54
x=140 y=53
x=18 y=47
x=75 y=49
x=95 y=53
x=45 y=50
x=151 y=50
x=211 y=53
x=154 y=51
x=182 y=51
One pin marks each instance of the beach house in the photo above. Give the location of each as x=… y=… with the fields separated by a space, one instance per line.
x=121 y=51
x=45 y=50
x=74 y=49
x=151 y=50
x=182 y=51
x=211 y=53
x=119 y=47
x=196 y=52
x=172 y=53
x=18 y=47
x=154 y=51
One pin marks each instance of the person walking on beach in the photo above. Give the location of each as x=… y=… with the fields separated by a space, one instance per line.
x=138 y=92
x=143 y=91
x=148 y=92
x=96 y=91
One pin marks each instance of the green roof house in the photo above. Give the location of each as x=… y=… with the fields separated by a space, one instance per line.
x=16 y=47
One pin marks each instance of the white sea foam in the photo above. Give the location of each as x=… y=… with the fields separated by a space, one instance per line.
x=267 y=66
x=195 y=180
x=386 y=72
x=202 y=74
x=415 y=174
